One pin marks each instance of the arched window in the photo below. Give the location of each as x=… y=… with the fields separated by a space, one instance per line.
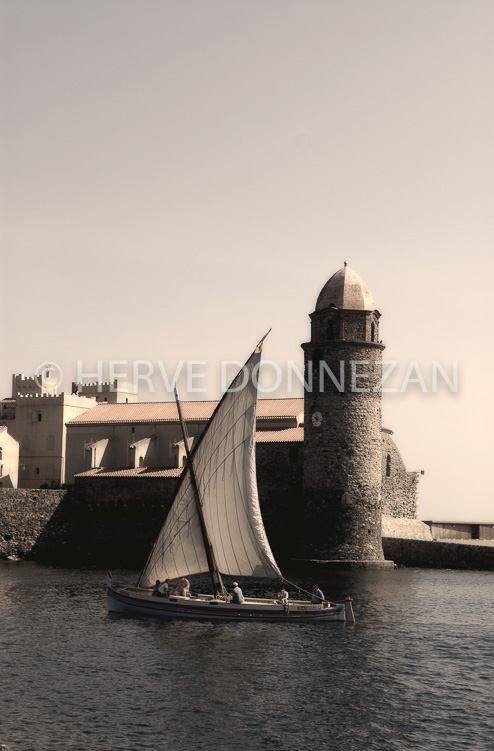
x=26 y=442
x=388 y=465
x=50 y=442
x=373 y=332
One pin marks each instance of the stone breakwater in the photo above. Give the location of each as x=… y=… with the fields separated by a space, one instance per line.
x=471 y=555
x=58 y=527
x=26 y=522
x=61 y=528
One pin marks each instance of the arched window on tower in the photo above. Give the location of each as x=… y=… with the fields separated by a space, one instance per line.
x=388 y=465
x=373 y=332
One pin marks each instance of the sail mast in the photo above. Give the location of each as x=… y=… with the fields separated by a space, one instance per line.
x=215 y=575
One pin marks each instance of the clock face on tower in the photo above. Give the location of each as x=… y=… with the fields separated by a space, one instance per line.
x=316 y=419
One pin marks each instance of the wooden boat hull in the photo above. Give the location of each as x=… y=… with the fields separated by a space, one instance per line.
x=134 y=601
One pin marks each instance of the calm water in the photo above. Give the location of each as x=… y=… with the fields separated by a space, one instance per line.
x=415 y=672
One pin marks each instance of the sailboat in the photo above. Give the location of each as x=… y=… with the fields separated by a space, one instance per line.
x=215 y=525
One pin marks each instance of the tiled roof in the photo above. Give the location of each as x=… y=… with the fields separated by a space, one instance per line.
x=126 y=472
x=153 y=412
x=289 y=435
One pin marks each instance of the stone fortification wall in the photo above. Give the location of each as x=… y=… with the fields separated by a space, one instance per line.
x=407 y=529
x=102 y=526
x=116 y=527
x=32 y=523
x=121 y=517
x=436 y=554
x=279 y=475
x=399 y=489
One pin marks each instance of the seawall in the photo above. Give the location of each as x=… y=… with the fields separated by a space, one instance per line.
x=439 y=554
x=61 y=527
x=58 y=527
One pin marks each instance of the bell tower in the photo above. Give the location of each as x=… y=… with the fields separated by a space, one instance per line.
x=342 y=425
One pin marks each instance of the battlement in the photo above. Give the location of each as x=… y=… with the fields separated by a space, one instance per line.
x=115 y=391
x=61 y=400
x=34 y=385
x=22 y=377
x=39 y=396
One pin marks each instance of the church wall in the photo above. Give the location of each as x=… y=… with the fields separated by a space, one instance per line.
x=279 y=479
x=399 y=490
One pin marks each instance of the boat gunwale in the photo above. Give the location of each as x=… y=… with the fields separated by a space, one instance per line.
x=188 y=606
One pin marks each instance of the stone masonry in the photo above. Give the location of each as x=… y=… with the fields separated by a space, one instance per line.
x=343 y=439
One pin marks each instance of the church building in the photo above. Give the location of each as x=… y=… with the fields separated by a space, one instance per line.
x=327 y=469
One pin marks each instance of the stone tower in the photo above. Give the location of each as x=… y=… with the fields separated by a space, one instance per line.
x=342 y=425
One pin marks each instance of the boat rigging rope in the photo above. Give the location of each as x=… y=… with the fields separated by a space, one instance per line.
x=300 y=589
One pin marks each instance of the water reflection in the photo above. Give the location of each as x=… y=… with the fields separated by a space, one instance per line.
x=415 y=672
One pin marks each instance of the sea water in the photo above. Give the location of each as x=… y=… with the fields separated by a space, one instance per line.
x=416 y=671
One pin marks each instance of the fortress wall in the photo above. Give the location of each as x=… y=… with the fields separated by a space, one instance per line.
x=64 y=527
x=438 y=554
x=399 y=489
x=25 y=520
x=279 y=475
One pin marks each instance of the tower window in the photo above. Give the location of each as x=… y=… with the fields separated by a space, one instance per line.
x=331 y=330
x=373 y=332
x=388 y=466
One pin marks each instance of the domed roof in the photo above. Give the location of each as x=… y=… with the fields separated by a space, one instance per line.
x=345 y=290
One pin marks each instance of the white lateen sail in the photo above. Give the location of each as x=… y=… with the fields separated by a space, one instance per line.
x=224 y=466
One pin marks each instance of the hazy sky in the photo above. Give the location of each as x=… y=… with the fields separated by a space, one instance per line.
x=178 y=177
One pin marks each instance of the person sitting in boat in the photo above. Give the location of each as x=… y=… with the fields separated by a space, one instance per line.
x=182 y=588
x=317 y=595
x=237 y=594
x=282 y=596
x=161 y=589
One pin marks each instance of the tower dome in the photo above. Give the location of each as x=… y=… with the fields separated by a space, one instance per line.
x=345 y=291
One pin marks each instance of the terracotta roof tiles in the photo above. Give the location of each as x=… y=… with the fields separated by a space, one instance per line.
x=289 y=435
x=130 y=472
x=154 y=412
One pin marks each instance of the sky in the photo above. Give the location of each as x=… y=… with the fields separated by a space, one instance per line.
x=176 y=178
